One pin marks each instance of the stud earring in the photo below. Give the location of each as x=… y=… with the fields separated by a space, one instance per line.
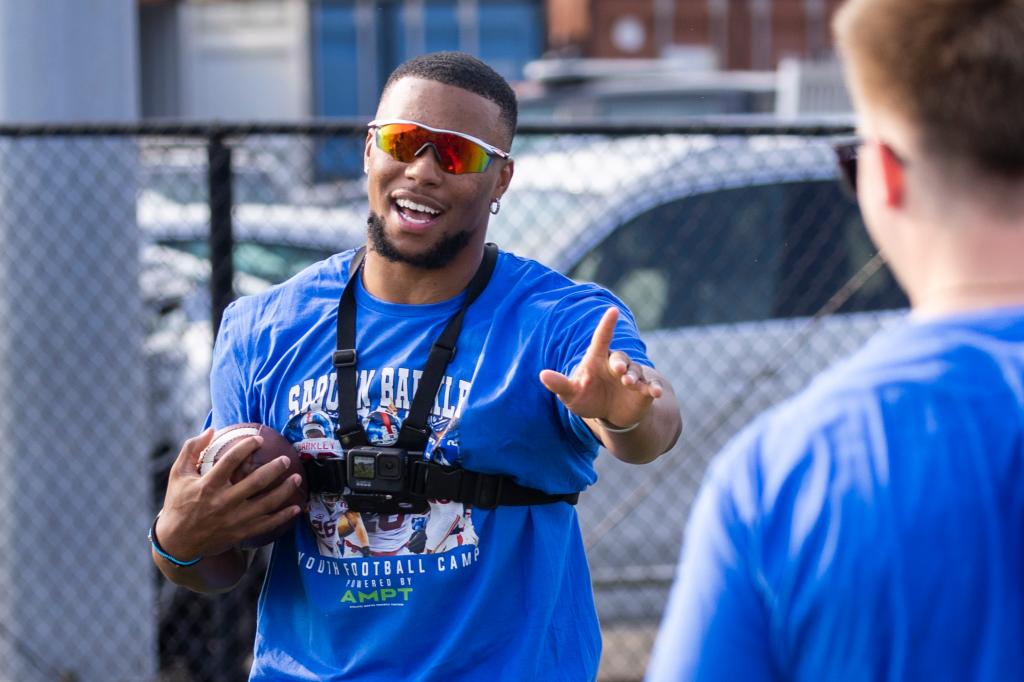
x=495 y=206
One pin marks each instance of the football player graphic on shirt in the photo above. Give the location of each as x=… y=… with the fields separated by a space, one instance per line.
x=449 y=524
x=350 y=531
x=390 y=534
x=339 y=531
x=345 y=527
x=312 y=433
x=325 y=528
x=382 y=425
x=443 y=443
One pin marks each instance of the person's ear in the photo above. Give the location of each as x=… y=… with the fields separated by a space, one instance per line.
x=367 y=150
x=894 y=177
x=504 y=178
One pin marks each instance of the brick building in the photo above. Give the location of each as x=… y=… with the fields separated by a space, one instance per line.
x=739 y=34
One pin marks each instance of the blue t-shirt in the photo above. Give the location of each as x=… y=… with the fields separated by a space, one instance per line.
x=456 y=593
x=872 y=528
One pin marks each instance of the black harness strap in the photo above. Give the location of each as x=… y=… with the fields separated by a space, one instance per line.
x=414 y=432
x=349 y=430
x=483 y=491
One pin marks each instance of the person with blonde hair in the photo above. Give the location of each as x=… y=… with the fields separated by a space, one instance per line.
x=872 y=527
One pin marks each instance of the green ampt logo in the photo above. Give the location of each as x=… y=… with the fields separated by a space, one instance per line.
x=381 y=596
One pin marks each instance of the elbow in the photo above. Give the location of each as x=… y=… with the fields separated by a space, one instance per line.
x=202 y=584
x=638 y=455
x=213 y=575
x=676 y=434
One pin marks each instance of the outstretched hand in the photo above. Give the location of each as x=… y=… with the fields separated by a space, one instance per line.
x=606 y=385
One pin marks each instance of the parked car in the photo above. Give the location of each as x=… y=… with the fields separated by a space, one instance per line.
x=273 y=242
x=727 y=249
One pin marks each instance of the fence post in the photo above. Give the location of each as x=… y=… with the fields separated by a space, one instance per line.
x=222 y=269
x=77 y=587
x=222 y=273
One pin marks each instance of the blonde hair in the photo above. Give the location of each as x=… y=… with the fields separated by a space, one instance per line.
x=952 y=68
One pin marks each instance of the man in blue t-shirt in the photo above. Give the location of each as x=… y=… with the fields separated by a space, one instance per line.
x=484 y=579
x=872 y=528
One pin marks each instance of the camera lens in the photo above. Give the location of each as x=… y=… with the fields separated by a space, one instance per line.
x=389 y=466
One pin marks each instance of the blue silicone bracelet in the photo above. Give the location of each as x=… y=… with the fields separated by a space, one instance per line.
x=160 y=550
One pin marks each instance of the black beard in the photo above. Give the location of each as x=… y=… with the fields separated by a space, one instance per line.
x=439 y=255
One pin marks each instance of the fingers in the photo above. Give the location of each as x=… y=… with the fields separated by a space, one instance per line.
x=263 y=482
x=621 y=366
x=277 y=496
x=235 y=454
x=634 y=375
x=655 y=389
x=269 y=523
x=559 y=384
x=249 y=525
x=263 y=513
x=255 y=505
x=603 y=334
x=187 y=457
x=629 y=372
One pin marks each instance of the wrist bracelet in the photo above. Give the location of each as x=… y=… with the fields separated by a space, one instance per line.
x=160 y=550
x=612 y=428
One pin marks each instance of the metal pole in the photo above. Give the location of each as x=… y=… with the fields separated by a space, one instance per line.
x=222 y=271
x=77 y=592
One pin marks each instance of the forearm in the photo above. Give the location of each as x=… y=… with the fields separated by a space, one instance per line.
x=218 y=572
x=654 y=435
x=213 y=574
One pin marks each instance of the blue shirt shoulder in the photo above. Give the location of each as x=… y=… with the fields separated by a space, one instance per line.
x=830 y=536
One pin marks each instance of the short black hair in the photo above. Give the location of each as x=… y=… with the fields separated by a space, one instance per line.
x=463 y=71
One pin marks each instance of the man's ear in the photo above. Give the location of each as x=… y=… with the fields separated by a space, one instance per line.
x=367 y=149
x=893 y=176
x=504 y=178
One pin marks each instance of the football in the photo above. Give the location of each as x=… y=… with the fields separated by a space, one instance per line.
x=274 y=445
x=345 y=526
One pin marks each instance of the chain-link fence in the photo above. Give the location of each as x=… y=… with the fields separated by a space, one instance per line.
x=747 y=268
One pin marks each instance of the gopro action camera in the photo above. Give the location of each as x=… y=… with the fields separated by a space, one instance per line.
x=378 y=479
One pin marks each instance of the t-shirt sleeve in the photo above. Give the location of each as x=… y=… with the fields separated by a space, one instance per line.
x=574 y=320
x=230 y=389
x=716 y=624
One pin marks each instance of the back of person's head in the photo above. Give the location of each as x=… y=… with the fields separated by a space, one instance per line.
x=953 y=69
x=464 y=71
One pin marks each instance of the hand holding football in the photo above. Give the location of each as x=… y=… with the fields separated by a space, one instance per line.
x=274 y=446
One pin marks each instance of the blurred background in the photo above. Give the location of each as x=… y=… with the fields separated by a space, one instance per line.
x=568 y=59
x=160 y=157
